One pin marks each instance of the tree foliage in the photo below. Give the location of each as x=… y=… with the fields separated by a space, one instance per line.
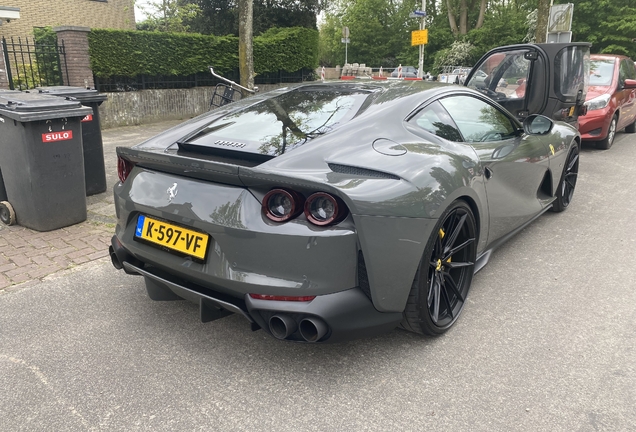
x=464 y=15
x=459 y=53
x=220 y=17
x=376 y=27
x=380 y=30
x=168 y=15
x=609 y=25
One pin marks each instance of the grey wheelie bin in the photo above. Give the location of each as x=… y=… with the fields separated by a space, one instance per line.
x=94 y=169
x=41 y=160
x=6 y=212
x=3 y=192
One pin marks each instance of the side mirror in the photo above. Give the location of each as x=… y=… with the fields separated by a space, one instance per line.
x=537 y=124
x=629 y=84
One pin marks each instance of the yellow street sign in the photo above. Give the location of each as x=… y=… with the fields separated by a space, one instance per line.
x=419 y=37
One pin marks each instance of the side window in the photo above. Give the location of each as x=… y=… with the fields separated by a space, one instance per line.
x=434 y=119
x=504 y=73
x=478 y=120
x=623 y=72
x=572 y=69
x=631 y=70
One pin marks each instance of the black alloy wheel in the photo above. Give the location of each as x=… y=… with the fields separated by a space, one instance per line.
x=445 y=273
x=565 y=190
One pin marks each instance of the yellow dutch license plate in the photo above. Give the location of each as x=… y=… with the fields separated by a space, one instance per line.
x=175 y=238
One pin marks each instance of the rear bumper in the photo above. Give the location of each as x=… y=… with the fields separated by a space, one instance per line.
x=335 y=317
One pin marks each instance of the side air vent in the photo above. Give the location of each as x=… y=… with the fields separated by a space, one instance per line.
x=362 y=172
x=363 y=277
x=545 y=190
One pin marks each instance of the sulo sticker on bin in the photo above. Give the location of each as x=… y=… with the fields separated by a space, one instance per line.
x=57 y=136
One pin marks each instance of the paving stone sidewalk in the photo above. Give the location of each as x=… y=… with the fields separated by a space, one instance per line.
x=27 y=255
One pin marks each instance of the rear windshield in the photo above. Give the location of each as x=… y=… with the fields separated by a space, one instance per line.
x=281 y=123
x=601 y=72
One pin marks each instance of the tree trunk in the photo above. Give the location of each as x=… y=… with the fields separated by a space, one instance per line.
x=246 y=57
x=543 y=15
x=165 y=16
x=451 y=18
x=463 y=18
x=482 y=14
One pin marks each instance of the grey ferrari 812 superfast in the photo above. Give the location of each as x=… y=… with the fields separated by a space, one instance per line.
x=325 y=212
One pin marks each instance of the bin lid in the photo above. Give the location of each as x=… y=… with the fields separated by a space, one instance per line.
x=25 y=107
x=80 y=93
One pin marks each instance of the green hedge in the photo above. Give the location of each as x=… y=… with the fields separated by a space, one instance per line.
x=132 y=53
x=288 y=49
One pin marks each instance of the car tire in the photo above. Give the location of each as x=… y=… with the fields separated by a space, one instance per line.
x=566 y=186
x=443 y=278
x=7 y=214
x=631 y=128
x=606 y=143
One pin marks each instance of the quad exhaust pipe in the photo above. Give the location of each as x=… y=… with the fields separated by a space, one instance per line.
x=313 y=329
x=118 y=255
x=282 y=326
x=114 y=259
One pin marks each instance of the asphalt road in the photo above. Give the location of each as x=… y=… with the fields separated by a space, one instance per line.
x=546 y=342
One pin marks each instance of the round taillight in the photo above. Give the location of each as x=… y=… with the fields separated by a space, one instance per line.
x=323 y=209
x=280 y=205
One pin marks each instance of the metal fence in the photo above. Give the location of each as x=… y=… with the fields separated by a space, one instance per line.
x=147 y=82
x=32 y=64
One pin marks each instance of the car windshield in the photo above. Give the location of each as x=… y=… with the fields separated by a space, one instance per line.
x=281 y=123
x=601 y=72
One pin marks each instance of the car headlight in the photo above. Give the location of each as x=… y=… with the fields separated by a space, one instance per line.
x=598 y=102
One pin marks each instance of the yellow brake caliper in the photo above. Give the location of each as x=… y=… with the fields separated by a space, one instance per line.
x=439 y=262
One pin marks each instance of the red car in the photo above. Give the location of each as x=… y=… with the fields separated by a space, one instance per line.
x=611 y=99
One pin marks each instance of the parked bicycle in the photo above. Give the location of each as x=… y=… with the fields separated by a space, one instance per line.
x=227 y=93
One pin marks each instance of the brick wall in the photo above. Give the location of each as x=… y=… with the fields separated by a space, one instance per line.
x=117 y=14
x=150 y=106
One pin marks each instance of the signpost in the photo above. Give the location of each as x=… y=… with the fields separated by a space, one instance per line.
x=560 y=23
x=420 y=37
x=345 y=40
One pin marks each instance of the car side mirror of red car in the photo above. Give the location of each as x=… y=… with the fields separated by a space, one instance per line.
x=629 y=84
